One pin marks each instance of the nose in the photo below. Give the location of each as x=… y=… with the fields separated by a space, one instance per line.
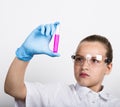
x=85 y=63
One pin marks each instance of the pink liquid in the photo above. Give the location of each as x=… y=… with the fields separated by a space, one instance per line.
x=56 y=42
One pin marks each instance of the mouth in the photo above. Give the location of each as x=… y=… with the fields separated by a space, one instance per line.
x=84 y=75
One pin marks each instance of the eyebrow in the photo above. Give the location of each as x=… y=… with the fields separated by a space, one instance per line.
x=78 y=55
x=92 y=56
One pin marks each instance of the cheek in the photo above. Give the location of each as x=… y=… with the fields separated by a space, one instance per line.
x=77 y=70
x=98 y=73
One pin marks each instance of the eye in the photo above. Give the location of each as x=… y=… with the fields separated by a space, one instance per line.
x=94 y=60
x=79 y=59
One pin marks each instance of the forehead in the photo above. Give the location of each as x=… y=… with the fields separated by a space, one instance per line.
x=91 y=48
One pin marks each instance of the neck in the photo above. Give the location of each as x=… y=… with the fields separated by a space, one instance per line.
x=96 y=89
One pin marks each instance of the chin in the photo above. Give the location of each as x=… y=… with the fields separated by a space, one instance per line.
x=83 y=84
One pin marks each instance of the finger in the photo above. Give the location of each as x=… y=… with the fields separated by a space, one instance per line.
x=56 y=23
x=47 y=31
x=43 y=29
x=39 y=27
x=54 y=27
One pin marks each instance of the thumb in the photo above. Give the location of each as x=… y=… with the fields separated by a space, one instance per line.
x=52 y=54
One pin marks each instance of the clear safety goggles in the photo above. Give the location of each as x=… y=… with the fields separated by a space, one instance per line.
x=91 y=60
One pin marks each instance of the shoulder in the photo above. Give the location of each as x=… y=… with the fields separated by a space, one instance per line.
x=107 y=96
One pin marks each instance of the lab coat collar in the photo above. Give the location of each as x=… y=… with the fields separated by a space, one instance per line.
x=104 y=94
x=84 y=91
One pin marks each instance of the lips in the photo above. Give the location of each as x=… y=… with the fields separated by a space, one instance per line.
x=83 y=75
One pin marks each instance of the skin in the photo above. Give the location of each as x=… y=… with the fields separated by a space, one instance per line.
x=14 y=83
x=95 y=75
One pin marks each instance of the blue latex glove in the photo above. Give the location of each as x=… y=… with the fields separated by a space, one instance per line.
x=38 y=42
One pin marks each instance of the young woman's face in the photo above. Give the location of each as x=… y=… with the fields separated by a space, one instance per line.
x=89 y=65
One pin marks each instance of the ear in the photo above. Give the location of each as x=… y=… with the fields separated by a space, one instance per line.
x=108 y=68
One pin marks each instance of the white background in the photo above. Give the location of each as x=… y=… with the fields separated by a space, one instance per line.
x=78 y=18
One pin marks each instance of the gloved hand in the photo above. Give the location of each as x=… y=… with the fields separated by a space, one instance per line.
x=37 y=42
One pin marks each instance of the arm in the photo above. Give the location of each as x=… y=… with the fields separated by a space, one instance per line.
x=36 y=43
x=14 y=83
